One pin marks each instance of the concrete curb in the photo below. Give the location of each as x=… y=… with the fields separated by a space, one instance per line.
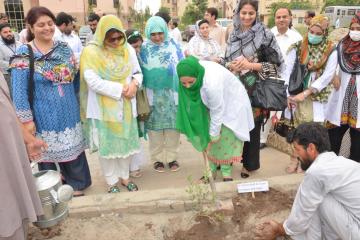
x=163 y=200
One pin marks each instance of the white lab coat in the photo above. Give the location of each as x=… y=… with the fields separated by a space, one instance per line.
x=227 y=100
x=335 y=103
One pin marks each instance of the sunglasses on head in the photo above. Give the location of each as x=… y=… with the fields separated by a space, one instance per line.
x=134 y=34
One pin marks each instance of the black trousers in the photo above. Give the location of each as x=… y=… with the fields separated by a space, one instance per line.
x=251 y=151
x=336 y=135
x=76 y=172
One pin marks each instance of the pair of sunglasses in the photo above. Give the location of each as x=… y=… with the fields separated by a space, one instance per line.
x=134 y=34
x=112 y=40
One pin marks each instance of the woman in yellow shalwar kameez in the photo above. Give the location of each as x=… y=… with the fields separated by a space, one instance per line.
x=110 y=76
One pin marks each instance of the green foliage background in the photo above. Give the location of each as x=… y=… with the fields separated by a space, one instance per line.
x=194 y=11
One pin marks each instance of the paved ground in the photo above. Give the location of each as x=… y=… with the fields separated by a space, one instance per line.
x=273 y=163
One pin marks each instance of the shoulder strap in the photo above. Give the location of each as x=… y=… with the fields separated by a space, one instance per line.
x=31 y=75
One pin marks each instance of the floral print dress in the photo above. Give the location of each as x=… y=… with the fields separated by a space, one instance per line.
x=55 y=108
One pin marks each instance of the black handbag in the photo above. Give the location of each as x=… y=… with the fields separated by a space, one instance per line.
x=283 y=127
x=296 y=80
x=269 y=94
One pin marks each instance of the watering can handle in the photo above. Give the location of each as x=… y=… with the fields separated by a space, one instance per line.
x=34 y=163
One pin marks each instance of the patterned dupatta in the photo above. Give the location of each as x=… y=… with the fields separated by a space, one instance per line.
x=316 y=56
x=349 y=52
x=111 y=64
x=158 y=61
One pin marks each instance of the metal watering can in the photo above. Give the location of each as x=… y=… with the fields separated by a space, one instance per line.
x=54 y=196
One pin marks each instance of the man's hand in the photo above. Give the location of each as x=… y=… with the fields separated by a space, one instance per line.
x=269 y=230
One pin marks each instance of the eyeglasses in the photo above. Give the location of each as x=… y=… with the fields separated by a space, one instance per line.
x=134 y=34
x=112 y=40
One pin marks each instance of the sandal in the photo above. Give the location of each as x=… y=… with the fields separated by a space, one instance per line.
x=135 y=174
x=131 y=187
x=78 y=194
x=114 y=189
x=244 y=173
x=299 y=169
x=227 y=179
x=293 y=165
x=174 y=166
x=159 y=166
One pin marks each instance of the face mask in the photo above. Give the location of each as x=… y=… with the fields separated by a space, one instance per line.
x=314 y=39
x=354 y=35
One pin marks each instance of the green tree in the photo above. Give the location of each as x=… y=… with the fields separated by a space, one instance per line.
x=194 y=11
x=165 y=10
x=139 y=18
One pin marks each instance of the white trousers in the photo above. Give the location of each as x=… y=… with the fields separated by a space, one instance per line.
x=164 y=145
x=332 y=222
x=115 y=168
x=137 y=160
x=265 y=133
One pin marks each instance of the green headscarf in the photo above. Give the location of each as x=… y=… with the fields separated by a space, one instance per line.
x=192 y=118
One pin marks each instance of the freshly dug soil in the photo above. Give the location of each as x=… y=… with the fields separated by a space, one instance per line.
x=240 y=223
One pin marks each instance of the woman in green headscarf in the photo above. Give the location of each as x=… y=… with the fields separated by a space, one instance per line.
x=211 y=99
x=110 y=76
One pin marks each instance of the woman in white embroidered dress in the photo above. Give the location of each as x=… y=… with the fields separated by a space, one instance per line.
x=202 y=45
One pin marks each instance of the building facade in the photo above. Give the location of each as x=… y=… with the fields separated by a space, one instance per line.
x=226 y=7
x=80 y=9
x=177 y=7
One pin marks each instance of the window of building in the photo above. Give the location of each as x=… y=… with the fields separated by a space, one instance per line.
x=116 y=3
x=168 y=1
x=300 y=20
x=351 y=12
x=15 y=12
x=92 y=3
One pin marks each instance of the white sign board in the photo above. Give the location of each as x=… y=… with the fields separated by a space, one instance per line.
x=261 y=186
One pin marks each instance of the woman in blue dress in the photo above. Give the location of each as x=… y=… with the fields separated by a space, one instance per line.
x=48 y=106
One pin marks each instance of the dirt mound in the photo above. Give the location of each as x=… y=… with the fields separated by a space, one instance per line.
x=239 y=223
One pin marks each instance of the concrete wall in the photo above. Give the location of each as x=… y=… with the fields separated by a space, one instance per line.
x=77 y=8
